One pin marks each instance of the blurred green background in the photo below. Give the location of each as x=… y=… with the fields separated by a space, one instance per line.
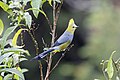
x=96 y=38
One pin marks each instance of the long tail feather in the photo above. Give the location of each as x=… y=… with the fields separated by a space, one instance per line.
x=42 y=55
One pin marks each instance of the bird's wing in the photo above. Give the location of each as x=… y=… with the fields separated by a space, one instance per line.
x=61 y=40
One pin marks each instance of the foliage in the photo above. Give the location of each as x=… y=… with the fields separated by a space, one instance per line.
x=1 y=26
x=103 y=31
x=111 y=68
x=10 y=57
x=11 y=54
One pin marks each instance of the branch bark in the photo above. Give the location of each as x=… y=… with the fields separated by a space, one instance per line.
x=53 y=30
x=37 y=51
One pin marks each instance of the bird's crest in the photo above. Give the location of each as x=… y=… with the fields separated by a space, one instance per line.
x=71 y=21
x=71 y=26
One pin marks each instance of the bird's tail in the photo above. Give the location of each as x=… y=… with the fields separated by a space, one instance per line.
x=42 y=55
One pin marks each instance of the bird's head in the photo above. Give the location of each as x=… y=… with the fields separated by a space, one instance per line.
x=71 y=26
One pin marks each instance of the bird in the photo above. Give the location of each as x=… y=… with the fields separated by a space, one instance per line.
x=62 y=42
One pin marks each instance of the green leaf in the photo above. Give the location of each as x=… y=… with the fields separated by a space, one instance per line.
x=25 y=1
x=16 y=77
x=5 y=1
x=23 y=59
x=36 y=4
x=15 y=59
x=14 y=41
x=9 y=41
x=2 y=66
x=6 y=34
x=18 y=68
x=16 y=50
x=4 y=6
x=15 y=4
x=1 y=78
x=58 y=1
x=50 y=2
x=43 y=1
x=24 y=70
x=28 y=19
x=1 y=27
x=41 y=11
x=4 y=56
x=14 y=71
x=110 y=69
x=8 y=77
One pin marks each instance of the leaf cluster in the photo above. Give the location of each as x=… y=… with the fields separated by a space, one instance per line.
x=111 y=68
x=11 y=54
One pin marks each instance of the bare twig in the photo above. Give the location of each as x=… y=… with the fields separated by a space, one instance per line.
x=57 y=63
x=58 y=11
x=34 y=28
x=53 y=33
x=35 y=42
x=41 y=71
x=49 y=23
x=52 y=42
x=45 y=45
x=21 y=36
x=63 y=54
x=103 y=70
x=54 y=24
x=37 y=51
x=116 y=67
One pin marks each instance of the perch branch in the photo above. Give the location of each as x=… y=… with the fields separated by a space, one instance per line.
x=52 y=42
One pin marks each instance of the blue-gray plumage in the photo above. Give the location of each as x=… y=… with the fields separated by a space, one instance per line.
x=66 y=36
x=63 y=41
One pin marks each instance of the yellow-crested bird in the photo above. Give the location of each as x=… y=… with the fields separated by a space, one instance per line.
x=63 y=41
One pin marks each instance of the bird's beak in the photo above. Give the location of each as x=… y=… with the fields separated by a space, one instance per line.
x=75 y=25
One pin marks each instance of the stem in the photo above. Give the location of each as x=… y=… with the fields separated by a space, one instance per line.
x=63 y=54
x=35 y=42
x=41 y=72
x=103 y=70
x=49 y=23
x=58 y=11
x=54 y=24
x=37 y=51
x=116 y=66
x=52 y=42
x=57 y=63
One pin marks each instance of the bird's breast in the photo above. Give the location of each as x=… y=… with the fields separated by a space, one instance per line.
x=65 y=45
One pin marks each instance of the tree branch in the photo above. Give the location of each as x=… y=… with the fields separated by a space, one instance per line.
x=58 y=11
x=52 y=42
x=41 y=71
x=37 y=51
